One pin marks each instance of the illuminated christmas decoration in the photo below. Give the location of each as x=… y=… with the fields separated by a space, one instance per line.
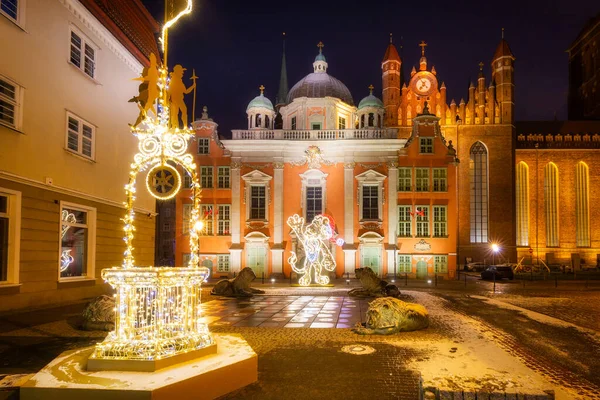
x=66 y=258
x=157 y=308
x=314 y=238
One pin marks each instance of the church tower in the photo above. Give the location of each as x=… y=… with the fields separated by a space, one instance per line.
x=391 y=76
x=503 y=75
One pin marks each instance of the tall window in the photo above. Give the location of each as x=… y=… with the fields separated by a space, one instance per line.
x=314 y=202
x=83 y=55
x=582 y=205
x=370 y=202
x=258 y=202
x=187 y=217
x=422 y=213
x=440 y=264
x=223 y=175
x=478 y=174
x=404 y=263
x=426 y=145
x=223 y=263
x=76 y=241
x=341 y=123
x=404 y=179
x=206 y=177
x=10 y=8
x=293 y=125
x=522 y=195
x=404 y=221
x=224 y=219
x=187 y=180
x=207 y=216
x=203 y=145
x=10 y=103
x=80 y=136
x=440 y=221
x=4 y=223
x=422 y=179
x=551 y=204
x=440 y=179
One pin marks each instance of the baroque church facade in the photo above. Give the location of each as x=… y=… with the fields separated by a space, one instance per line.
x=412 y=183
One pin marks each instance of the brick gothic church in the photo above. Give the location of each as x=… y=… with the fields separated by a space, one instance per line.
x=414 y=184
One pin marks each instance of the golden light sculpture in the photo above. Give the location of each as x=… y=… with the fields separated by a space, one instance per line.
x=157 y=312
x=317 y=255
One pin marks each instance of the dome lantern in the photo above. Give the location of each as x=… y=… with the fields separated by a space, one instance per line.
x=261 y=112
x=320 y=64
x=370 y=111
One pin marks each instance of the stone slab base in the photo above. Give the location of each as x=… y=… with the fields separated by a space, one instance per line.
x=234 y=366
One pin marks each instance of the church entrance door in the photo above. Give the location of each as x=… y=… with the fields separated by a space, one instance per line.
x=421 y=270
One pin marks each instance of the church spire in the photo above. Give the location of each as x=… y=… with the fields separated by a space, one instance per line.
x=282 y=94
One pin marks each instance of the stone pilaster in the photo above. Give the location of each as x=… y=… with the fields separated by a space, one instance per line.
x=235 y=259
x=277 y=250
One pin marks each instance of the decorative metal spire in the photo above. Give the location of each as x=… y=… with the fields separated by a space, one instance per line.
x=282 y=93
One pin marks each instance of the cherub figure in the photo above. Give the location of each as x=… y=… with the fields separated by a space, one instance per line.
x=176 y=91
x=314 y=238
x=148 y=90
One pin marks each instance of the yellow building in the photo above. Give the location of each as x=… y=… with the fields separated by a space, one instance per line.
x=65 y=81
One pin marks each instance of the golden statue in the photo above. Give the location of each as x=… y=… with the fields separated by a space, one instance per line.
x=175 y=92
x=148 y=90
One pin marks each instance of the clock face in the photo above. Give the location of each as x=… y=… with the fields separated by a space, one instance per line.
x=424 y=83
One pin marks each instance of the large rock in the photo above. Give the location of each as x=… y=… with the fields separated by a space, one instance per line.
x=238 y=286
x=387 y=315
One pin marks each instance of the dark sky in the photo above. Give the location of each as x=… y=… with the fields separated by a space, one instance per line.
x=235 y=46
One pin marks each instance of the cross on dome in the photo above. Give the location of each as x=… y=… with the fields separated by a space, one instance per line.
x=371 y=87
x=423 y=45
x=481 y=65
x=262 y=89
x=320 y=45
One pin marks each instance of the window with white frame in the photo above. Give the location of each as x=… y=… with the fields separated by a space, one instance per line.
x=422 y=213
x=404 y=179
x=258 y=202
x=370 y=195
x=83 y=54
x=77 y=241
x=222 y=262
x=404 y=263
x=206 y=177
x=314 y=202
x=207 y=216
x=426 y=145
x=341 y=123
x=370 y=202
x=440 y=221
x=223 y=178
x=4 y=233
x=11 y=96
x=293 y=123
x=440 y=179
x=203 y=145
x=224 y=220
x=187 y=217
x=404 y=221
x=440 y=264
x=10 y=232
x=187 y=180
x=256 y=195
x=80 y=136
x=12 y=9
x=422 y=179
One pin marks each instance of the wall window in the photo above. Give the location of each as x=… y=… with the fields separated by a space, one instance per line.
x=4 y=233
x=206 y=177
x=203 y=145
x=522 y=194
x=426 y=145
x=341 y=123
x=223 y=263
x=440 y=179
x=10 y=231
x=404 y=179
x=187 y=217
x=77 y=241
x=370 y=202
x=478 y=174
x=440 y=264
x=12 y=9
x=314 y=202
x=404 y=263
x=440 y=221
x=224 y=219
x=207 y=216
x=258 y=202
x=582 y=205
x=223 y=178
x=166 y=227
x=422 y=179
x=80 y=136
x=187 y=180
x=551 y=204
x=404 y=221
x=293 y=125
x=10 y=103
x=83 y=54
x=422 y=213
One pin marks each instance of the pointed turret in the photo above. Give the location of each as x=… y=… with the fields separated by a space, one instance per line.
x=503 y=78
x=391 y=81
x=282 y=94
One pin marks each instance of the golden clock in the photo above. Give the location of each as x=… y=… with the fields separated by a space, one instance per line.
x=423 y=83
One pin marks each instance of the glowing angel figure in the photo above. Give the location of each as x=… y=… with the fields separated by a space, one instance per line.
x=315 y=239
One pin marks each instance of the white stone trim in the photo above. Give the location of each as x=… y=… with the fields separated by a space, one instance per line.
x=315 y=175
x=257 y=178
x=235 y=205
x=370 y=178
x=90 y=272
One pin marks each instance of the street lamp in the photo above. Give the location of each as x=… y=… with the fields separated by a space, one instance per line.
x=495 y=249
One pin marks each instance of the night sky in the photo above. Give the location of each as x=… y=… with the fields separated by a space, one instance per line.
x=235 y=46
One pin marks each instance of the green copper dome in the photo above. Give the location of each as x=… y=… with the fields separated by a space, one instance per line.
x=260 y=102
x=370 y=101
x=320 y=57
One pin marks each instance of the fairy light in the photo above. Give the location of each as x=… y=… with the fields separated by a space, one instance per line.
x=314 y=238
x=170 y=23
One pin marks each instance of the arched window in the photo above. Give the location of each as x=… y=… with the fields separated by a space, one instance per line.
x=582 y=205
x=522 y=204
x=379 y=120
x=551 y=204
x=478 y=172
x=267 y=122
x=362 y=121
x=371 y=119
x=258 y=121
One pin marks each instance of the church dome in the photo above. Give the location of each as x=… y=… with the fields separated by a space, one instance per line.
x=370 y=101
x=318 y=85
x=260 y=101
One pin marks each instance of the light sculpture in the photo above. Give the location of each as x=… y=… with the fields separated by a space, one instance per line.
x=314 y=238
x=157 y=312
x=66 y=258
